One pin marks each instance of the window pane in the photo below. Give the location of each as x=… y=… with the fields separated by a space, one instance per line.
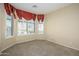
x=22 y=28
x=9 y=26
x=41 y=28
x=31 y=28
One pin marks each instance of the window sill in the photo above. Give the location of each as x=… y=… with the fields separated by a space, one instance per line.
x=9 y=37
x=27 y=34
x=40 y=33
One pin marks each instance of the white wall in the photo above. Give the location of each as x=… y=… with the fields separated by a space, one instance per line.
x=62 y=26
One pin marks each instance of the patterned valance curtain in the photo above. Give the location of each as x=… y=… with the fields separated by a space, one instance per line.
x=40 y=18
x=22 y=14
x=9 y=9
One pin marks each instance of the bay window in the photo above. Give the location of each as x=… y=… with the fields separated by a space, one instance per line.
x=27 y=27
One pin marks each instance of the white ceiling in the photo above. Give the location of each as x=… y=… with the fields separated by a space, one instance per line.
x=42 y=8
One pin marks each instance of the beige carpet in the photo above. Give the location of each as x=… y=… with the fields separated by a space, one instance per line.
x=39 y=48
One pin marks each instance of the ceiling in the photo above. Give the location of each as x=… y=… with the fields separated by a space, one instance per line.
x=39 y=8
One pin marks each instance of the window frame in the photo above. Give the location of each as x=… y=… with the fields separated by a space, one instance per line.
x=12 y=27
x=41 y=32
x=27 y=28
x=17 y=27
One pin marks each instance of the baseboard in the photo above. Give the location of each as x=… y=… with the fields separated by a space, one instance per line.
x=15 y=44
x=6 y=48
x=36 y=39
x=0 y=53
x=64 y=45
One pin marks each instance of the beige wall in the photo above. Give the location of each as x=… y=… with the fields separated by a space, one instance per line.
x=7 y=42
x=62 y=26
x=0 y=30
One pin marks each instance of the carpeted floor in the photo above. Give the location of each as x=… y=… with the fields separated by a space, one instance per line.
x=39 y=48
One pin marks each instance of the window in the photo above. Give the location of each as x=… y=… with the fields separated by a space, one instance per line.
x=25 y=27
x=28 y=27
x=22 y=28
x=41 y=28
x=9 y=26
x=31 y=27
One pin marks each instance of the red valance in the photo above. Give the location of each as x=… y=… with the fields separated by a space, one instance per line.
x=25 y=15
x=28 y=16
x=6 y=6
x=40 y=18
x=9 y=9
x=19 y=13
x=34 y=16
x=22 y=14
x=13 y=11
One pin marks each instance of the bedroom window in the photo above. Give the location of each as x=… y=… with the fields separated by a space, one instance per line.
x=31 y=27
x=22 y=27
x=40 y=28
x=9 y=26
x=25 y=27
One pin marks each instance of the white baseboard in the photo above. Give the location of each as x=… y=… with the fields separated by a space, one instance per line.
x=64 y=45
x=35 y=39
x=6 y=48
x=14 y=44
